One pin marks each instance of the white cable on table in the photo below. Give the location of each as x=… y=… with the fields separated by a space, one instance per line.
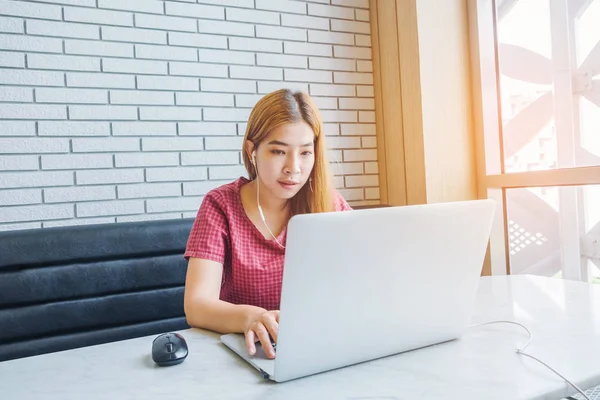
x=520 y=351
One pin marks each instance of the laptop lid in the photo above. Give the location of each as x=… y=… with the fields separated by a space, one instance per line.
x=369 y=283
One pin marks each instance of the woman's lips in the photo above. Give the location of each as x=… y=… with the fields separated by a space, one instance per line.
x=288 y=185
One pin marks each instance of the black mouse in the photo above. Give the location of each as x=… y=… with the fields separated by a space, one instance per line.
x=169 y=349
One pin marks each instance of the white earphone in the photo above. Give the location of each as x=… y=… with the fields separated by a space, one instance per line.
x=260 y=211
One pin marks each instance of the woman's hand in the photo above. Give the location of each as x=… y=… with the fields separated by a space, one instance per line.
x=260 y=326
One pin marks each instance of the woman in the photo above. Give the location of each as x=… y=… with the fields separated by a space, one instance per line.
x=237 y=244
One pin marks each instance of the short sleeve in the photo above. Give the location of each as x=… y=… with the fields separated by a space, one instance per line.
x=340 y=203
x=209 y=236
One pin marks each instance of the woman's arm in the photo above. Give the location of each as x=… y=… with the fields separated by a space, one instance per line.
x=203 y=309
x=202 y=306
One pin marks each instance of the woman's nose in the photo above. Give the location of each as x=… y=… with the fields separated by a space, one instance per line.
x=293 y=164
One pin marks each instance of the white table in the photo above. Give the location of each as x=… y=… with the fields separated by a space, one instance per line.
x=564 y=317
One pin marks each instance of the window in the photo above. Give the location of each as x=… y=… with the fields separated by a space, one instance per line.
x=537 y=89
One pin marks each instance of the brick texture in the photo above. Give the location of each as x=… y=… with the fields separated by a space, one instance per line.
x=114 y=111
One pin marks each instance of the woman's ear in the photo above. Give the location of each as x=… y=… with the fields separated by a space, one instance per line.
x=249 y=148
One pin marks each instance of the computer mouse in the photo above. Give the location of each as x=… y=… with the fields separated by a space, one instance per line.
x=169 y=349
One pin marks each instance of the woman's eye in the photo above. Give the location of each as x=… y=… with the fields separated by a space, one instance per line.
x=307 y=153
x=277 y=151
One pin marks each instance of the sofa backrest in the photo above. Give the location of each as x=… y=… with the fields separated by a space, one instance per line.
x=68 y=287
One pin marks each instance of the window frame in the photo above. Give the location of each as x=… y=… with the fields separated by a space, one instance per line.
x=492 y=180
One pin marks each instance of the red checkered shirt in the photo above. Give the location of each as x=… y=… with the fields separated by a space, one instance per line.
x=252 y=265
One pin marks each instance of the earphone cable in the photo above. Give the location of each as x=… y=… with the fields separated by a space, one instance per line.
x=262 y=215
x=521 y=351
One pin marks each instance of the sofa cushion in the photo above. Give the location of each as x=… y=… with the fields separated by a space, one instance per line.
x=67 y=287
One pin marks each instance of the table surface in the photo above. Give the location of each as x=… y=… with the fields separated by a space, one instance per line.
x=564 y=317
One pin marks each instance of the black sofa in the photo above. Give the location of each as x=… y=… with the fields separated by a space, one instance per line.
x=68 y=287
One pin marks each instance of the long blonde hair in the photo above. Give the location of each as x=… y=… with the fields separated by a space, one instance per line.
x=283 y=107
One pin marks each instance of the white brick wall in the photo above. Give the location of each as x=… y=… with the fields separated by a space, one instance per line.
x=116 y=111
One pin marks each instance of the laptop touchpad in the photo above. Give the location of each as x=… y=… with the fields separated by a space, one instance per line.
x=260 y=351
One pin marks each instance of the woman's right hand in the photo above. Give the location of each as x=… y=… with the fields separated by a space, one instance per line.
x=259 y=327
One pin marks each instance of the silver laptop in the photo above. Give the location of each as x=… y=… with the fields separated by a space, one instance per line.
x=366 y=284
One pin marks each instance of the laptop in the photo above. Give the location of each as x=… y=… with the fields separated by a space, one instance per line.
x=366 y=284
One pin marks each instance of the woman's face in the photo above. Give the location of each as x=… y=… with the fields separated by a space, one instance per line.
x=285 y=159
